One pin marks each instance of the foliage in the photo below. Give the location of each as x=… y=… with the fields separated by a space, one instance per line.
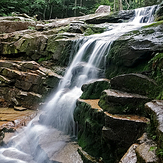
x=47 y=9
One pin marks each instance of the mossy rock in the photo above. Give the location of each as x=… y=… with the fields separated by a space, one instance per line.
x=90 y=121
x=117 y=102
x=93 y=89
x=132 y=51
x=134 y=83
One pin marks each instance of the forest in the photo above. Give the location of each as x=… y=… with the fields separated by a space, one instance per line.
x=50 y=9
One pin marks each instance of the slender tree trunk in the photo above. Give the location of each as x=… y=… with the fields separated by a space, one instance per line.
x=81 y=3
x=128 y=5
x=75 y=7
x=50 y=11
x=114 y=5
x=120 y=5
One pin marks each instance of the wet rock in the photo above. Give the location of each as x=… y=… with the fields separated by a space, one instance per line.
x=2 y=135
x=130 y=155
x=4 y=81
x=134 y=48
x=155 y=110
x=134 y=83
x=9 y=64
x=159 y=13
x=146 y=151
x=133 y=128
x=25 y=81
x=86 y=157
x=103 y=9
x=77 y=27
x=11 y=119
x=117 y=102
x=93 y=89
x=90 y=119
x=111 y=18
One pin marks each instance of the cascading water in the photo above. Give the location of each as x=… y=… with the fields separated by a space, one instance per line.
x=86 y=65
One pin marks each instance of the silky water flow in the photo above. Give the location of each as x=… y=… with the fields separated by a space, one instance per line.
x=46 y=137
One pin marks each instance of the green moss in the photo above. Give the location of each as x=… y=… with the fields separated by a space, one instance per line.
x=154 y=24
x=93 y=90
x=91 y=29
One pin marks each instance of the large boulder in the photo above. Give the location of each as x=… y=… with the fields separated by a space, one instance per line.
x=134 y=48
x=118 y=102
x=12 y=24
x=134 y=83
x=103 y=9
x=155 y=111
x=115 y=17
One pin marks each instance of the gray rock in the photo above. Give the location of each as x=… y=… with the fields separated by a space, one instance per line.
x=154 y=109
x=103 y=9
x=117 y=102
x=130 y=155
x=124 y=130
x=134 y=83
x=135 y=48
x=146 y=152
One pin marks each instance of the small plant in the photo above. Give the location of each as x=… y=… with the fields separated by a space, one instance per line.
x=31 y=27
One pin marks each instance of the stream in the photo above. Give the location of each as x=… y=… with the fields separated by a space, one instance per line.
x=51 y=136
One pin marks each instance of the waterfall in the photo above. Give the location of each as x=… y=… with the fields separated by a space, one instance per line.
x=57 y=117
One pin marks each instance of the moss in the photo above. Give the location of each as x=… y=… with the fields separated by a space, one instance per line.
x=90 y=122
x=93 y=90
x=91 y=29
x=154 y=24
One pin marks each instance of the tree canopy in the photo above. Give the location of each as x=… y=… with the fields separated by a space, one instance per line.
x=47 y=9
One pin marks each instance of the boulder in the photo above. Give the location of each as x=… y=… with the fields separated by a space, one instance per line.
x=133 y=127
x=146 y=150
x=115 y=17
x=103 y=9
x=12 y=24
x=117 y=102
x=159 y=13
x=93 y=89
x=155 y=111
x=134 y=83
x=133 y=49
x=130 y=155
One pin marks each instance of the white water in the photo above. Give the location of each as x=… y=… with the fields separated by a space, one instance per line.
x=59 y=110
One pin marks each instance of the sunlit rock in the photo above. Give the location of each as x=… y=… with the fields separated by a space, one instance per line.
x=11 y=119
x=130 y=155
x=12 y=24
x=146 y=151
x=103 y=9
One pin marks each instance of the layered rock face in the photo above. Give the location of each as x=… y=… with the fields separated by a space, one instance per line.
x=117 y=122
x=24 y=83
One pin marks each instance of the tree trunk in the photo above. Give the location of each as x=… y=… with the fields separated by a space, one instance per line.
x=75 y=7
x=120 y=5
